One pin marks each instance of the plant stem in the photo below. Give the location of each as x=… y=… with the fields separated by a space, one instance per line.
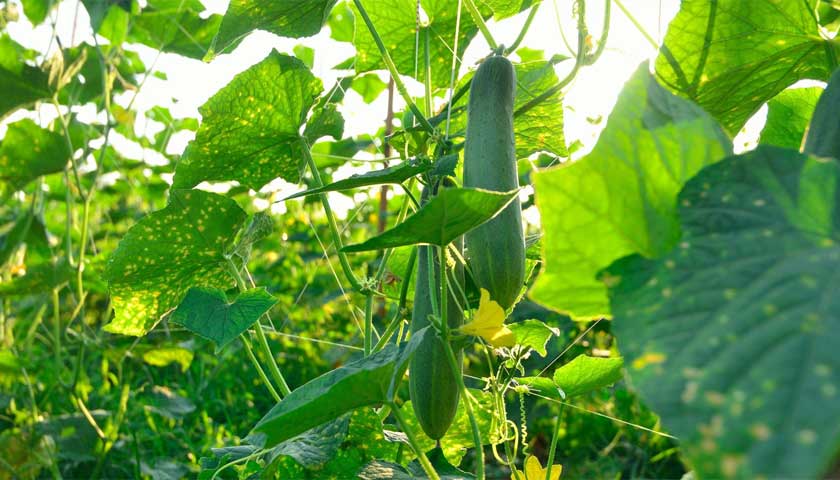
x=479 y=21
x=397 y=320
x=453 y=364
x=636 y=24
x=554 y=436
x=57 y=329
x=342 y=257
x=412 y=440
x=368 y=323
x=392 y=68
x=259 y=368
x=525 y=27
x=263 y=342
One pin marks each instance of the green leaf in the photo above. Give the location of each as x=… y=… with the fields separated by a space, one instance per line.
x=450 y=214
x=442 y=466
x=369 y=86
x=788 y=116
x=396 y=23
x=325 y=121
x=585 y=374
x=732 y=337
x=207 y=312
x=29 y=151
x=175 y=26
x=316 y=446
x=731 y=56
x=543 y=386
x=250 y=128
x=396 y=174
x=341 y=23
x=533 y=334
x=164 y=356
x=505 y=8
x=619 y=199
x=369 y=381
x=295 y=19
x=36 y=10
x=40 y=278
x=167 y=252
x=305 y=54
x=99 y=9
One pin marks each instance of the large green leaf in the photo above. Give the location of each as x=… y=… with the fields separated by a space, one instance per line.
x=175 y=26
x=20 y=83
x=788 y=116
x=167 y=252
x=290 y=18
x=369 y=381
x=250 y=128
x=450 y=214
x=29 y=151
x=396 y=22
x=207 y=312
x=731 y=56
x=619 y=199
x=732 y=338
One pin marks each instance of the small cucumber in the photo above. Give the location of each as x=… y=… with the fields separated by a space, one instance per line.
x=496 y=249
x=432 y=387
x=823 y=138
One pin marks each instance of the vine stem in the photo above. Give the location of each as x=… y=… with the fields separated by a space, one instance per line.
x=259 y=369
x=525 y=27
x=368 y=323
x=342 y=257
x=263 y=342
x=397 y=320
x=453 y=364
x=636 y=24
x=392 y=68
x=412 y=440
x=554 y=437
x=479 y=21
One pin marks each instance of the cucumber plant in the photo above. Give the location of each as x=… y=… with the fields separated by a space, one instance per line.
x=173 y=315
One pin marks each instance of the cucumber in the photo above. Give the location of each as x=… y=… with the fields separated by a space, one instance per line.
x=496 y=249
x=823 y=137
x=432 y=387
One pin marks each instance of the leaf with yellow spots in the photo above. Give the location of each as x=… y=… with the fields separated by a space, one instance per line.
x=250 y=129
x=297 y=19
x=167 y=252
x=489 y=323
x=740 y=359
x=396 y=23
x=29 y=151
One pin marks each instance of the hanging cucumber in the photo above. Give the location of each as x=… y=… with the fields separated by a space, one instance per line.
x=823 y=138
x=432 y=386
x=496 y=249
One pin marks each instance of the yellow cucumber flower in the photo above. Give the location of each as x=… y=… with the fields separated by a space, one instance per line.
x=535 y=471
x=489 y=323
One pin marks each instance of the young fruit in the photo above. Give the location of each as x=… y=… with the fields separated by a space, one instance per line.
x=496 y=249
x=432 y=386
x=823 y=138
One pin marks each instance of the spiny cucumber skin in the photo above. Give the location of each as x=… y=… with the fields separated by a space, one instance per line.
x=496 y=249
x=823 y=138
x=432 y=387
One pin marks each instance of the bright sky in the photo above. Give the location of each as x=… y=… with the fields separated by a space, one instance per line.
x=190 y=82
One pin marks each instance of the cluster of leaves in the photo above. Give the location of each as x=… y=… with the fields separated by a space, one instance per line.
x=715 y=269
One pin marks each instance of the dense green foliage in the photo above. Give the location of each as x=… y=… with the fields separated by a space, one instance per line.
x=220 y=311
